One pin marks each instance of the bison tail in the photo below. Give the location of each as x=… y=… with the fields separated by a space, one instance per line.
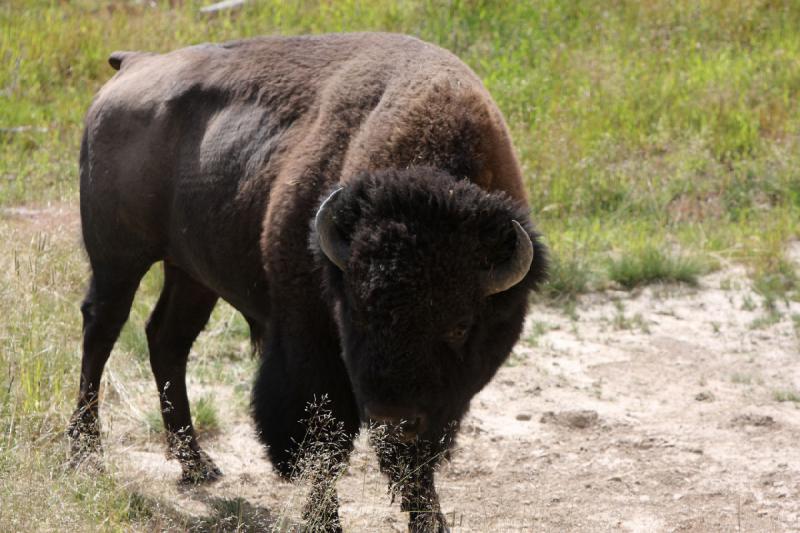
x=116 y=58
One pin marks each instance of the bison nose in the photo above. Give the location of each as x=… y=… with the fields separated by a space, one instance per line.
x=405 y=423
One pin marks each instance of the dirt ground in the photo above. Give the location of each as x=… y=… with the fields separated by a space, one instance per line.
x=653 y=411
x=656 y=410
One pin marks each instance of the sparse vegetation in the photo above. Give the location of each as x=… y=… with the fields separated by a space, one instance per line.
x=651 y=265
x=770 y=317
x=567 y=278
x=747 y=303
x=777 y=280
x=741 y=378
x=204 y=415
x=621 y=321
x=537 y=330
x=786 y=395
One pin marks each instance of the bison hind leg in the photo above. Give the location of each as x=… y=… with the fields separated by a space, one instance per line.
x=182 y=310
x=105 y=310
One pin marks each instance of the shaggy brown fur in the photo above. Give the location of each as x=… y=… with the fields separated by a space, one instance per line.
x=214 y=159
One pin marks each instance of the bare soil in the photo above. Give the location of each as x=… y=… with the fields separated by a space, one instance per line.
x=656 y=410
x=653 y=411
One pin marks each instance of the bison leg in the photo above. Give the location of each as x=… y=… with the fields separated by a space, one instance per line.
x=304 y=409
x=180 y=314
x=422 y=503
x=410 y=468
x=105 y=310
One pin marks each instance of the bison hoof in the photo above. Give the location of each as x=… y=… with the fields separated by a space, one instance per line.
x=85 y=446
x=199 y=469
x=428 y=523
x=323 y=527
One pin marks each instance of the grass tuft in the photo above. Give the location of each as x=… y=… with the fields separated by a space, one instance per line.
x=204 y=413
x=741 y=379
x=777 y=280
x=653 y=265
x=567 y=278
x=786 y=395
x=205 y=417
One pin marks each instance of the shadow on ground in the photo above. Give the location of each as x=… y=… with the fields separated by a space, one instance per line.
x=226 y=514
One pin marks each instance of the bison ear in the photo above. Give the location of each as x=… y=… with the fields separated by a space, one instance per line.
x=331 y=242
x=503 y=277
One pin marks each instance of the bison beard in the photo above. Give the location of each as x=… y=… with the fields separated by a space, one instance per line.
x=357 y=198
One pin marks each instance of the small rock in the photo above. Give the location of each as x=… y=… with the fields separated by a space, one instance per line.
x=524 y=417
x=753 y=420
x=579 y=419
x=704 y=396
x=582 y=419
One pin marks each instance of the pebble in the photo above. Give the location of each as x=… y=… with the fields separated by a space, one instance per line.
x=574 y=419
x=704 y=396
x=753 y=420
x=524 y=416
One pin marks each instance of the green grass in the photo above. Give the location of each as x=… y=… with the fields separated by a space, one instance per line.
x=771 y=316
x=796 y=322
x=205 y=417
x=786 y=395
x=741 y=379
x=42 y=280
x=650 y=265
x=204 y=414
x=568 y=276
x=634 y=119
x=642 y=127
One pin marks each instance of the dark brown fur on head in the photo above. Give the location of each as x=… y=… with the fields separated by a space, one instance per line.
x=419 y=240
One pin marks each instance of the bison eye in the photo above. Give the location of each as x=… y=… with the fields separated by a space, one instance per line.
x=457 y=334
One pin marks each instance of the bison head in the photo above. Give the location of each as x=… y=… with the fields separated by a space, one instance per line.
x=427 y=278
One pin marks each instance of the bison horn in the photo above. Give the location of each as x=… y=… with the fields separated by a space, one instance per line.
x=505 y=276
x=330 y=240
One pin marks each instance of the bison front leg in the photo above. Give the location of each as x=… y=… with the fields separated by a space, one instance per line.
x=304 y=409
x=321 y=509
x=410 y=468
x=420 y=501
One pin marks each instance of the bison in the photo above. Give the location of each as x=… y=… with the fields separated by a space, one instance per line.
x=356 y=197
